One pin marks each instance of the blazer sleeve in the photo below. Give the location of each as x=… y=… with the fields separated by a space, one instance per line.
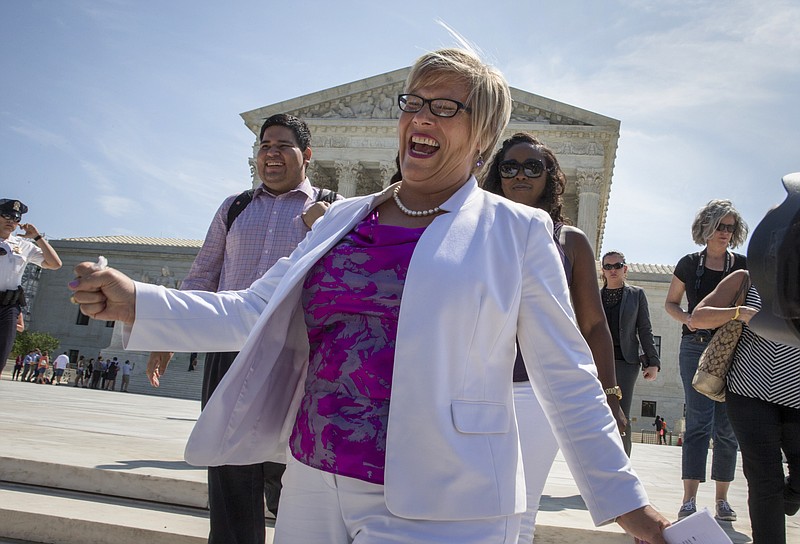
x=644 y=331
x=564 y=378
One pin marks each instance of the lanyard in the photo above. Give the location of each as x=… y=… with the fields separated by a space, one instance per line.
x=701 y=268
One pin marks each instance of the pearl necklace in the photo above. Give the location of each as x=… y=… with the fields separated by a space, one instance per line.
x=412 y=213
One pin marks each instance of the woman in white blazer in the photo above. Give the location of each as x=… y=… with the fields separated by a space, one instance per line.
x=417 y=342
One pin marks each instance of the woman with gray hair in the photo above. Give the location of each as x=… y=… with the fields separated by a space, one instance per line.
x=718 y=227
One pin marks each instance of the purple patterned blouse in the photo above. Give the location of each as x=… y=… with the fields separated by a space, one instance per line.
x=351 y=299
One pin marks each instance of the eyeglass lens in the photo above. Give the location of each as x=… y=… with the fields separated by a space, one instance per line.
x=3 y=251
x=615 y=266
x=441 y=107
x=532 y=168
x=722 y=227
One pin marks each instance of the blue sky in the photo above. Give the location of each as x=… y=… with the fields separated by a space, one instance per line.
x=122 y=116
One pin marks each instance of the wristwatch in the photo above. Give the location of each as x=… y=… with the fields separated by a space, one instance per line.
x=616 y=391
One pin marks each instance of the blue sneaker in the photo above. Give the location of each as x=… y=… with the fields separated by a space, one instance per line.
x=687 y=509
x=725 y=512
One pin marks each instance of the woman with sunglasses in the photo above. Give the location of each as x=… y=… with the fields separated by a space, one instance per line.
x=16 y=251
x=628 y=319
x=526 y=171
x=719 y=227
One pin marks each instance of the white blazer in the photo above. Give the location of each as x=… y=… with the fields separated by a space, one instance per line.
x=482 y=274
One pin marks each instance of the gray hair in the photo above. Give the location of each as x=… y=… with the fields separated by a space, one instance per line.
x=707 y=220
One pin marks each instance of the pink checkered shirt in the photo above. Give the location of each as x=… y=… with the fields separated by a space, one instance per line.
x=269 y=228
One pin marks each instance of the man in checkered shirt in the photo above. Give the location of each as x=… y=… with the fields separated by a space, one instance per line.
x=281 y=212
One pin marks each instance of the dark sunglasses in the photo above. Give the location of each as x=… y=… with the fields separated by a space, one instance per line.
x=722 y=227
x=615 y=266
x=3 y=251
x=10 y=217
x=532 y=168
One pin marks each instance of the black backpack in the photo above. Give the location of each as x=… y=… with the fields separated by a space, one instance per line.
x=241 y=202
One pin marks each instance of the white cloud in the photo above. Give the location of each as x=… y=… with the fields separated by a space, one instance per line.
x=118 y=206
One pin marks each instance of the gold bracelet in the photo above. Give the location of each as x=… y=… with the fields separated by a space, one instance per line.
x=736 y=315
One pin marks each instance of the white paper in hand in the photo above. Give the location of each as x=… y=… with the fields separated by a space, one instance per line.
x=699 y=528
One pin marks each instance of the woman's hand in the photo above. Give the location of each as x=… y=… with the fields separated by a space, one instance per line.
x=619 y=415
x=157 y=365
x=645 y=524
x=650 y=373
x=105 y=294
x=314 y=212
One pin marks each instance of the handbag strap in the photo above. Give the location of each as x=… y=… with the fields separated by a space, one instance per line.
x=745 y=286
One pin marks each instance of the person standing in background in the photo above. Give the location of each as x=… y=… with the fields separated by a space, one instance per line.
x=526 y=171
x=126 y=376
x=16 y=251
x=719 y=227
x=628 y=320
x=238 y=249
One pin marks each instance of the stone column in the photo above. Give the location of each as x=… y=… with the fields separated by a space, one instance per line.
x=316 y=175
x=347 y=173
x=590 y=181
x=255 y=181
x=387 y=171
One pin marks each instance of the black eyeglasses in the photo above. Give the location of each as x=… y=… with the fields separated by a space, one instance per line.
x=440 y=107
x=3 y=251
x=10 y=217
x=532 y=168
x=722 y=227
x=615 y=266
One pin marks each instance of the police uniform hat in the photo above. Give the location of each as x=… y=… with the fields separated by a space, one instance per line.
x=773 y=258
x=14 y=208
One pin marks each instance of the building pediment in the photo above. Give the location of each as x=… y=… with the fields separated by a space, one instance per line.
x=375 y=99
x=354 y=141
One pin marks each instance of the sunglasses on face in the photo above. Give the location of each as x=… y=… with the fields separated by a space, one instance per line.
x=532 y=168
x=440 y=107
x=10 y=217
x=615 y=266
x=722 y=227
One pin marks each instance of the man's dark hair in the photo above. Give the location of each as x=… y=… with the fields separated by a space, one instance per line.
x=298 y=126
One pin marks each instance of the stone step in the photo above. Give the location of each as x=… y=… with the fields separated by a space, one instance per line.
x=98 y=481
x=69 y=517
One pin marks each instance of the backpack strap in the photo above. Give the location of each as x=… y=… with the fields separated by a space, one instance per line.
x=326 y=195
x=238 y=205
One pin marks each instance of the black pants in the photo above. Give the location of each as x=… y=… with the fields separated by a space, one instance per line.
x=237 y=494
x=763 y=430
x=627 y=374
x=8 y=331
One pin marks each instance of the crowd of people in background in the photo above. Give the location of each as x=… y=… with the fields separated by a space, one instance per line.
x=35 y=367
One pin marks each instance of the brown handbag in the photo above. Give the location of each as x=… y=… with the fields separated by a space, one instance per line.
x=715 y=362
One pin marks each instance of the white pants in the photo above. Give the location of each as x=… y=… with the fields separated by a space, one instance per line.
x=322 y=508
x=539 y=449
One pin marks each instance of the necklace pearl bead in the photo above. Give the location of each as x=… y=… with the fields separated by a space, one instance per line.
x=412 y=213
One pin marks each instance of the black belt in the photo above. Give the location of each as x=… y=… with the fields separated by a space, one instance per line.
x=702 y=335
x=12 y=297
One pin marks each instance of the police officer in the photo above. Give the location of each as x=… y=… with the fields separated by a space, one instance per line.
x=16 y=251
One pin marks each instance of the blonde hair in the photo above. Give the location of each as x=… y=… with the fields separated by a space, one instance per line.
x=489 y=97
x=707 y=220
